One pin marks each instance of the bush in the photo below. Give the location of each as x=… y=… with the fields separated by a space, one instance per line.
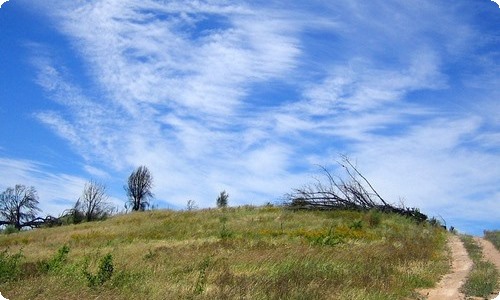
x=57 y=261
x=10 y=266
x=104 y=272
x=9 y=229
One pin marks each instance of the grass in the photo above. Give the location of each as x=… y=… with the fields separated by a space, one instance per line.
x=484 y=278
x=494 y=237
x=234 y=253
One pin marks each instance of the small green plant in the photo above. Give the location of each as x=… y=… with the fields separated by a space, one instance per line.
x=356 y=225
x=224 y=232
x=202 y=276
x=57 y=261
x=104 y=272
x=9 y=229
x=328 y=239
x=222 y=199
x=10 y=266
x=373 y=218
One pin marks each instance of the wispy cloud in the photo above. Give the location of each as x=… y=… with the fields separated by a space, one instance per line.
x=177 y=85
x=57 y=191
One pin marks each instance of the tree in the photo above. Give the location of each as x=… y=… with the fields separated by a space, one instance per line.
x=92 y=204
x=138 y=189
x=19 y=206
x=222 y=199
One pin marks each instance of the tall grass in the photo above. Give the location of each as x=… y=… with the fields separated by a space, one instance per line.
x=494 y=237
x=235 y=253
x=484 y=277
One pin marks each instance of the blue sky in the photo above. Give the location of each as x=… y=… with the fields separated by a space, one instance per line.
x=249 y=97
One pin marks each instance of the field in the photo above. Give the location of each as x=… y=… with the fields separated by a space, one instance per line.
x=234 y=253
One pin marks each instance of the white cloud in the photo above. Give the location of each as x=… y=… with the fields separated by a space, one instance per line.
x=2 y=2
x=176 y=82
x=57 y=191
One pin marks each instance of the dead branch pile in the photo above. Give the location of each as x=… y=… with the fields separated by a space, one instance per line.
x=353 y=192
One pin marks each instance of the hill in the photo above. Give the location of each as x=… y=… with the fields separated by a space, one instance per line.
x=234 y=253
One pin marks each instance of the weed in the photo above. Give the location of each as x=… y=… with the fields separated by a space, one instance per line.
x=224 y=232
x=356 y=225
x=201 y=281
x=10 y=266
x=373 y=218
x=104 y=272
x=57 y=261
x=9 y=229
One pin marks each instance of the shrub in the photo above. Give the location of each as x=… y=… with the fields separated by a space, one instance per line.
x=57 y=261
x=104 y=272
x=9 y=229
x=10 y=266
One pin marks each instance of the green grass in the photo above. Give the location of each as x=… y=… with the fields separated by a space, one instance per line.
x=235 y=253
x=494 y=237
x=484 y=278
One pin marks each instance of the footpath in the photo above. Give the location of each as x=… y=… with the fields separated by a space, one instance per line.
x=448 y=287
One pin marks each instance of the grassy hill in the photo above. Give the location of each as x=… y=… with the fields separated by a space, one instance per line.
x=236 y=253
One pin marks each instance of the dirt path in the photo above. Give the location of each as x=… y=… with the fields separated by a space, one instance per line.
x=491 y=254
x=449 y=286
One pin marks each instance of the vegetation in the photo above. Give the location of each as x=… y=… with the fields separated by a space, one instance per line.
x=18 y=206
x=484 y=277
x=245 y=252
x=138 y=189
x=494 y=237
x=222 y=200
x=353 y=191
x=92 y=204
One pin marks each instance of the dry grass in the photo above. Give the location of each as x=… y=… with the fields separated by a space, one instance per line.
x=236 y=253
x=494 y=237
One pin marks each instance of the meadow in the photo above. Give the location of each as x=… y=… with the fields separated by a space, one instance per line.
x=233 y=253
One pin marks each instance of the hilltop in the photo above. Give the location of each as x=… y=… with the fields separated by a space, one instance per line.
x=233 y=253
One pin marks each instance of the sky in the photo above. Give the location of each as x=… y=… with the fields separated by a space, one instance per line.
x=251 y=97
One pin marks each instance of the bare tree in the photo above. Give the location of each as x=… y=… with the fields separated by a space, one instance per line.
x=92 y=204
x=138 y=189
x=19 y=206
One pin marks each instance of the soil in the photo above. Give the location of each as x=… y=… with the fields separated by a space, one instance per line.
x=448 y=287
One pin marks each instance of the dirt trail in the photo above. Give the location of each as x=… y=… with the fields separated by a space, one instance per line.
x=491 y=254
x=449 y=286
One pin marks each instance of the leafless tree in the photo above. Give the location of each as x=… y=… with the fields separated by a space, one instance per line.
x=138 y=189
x=92 y=204
x=18 y=206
